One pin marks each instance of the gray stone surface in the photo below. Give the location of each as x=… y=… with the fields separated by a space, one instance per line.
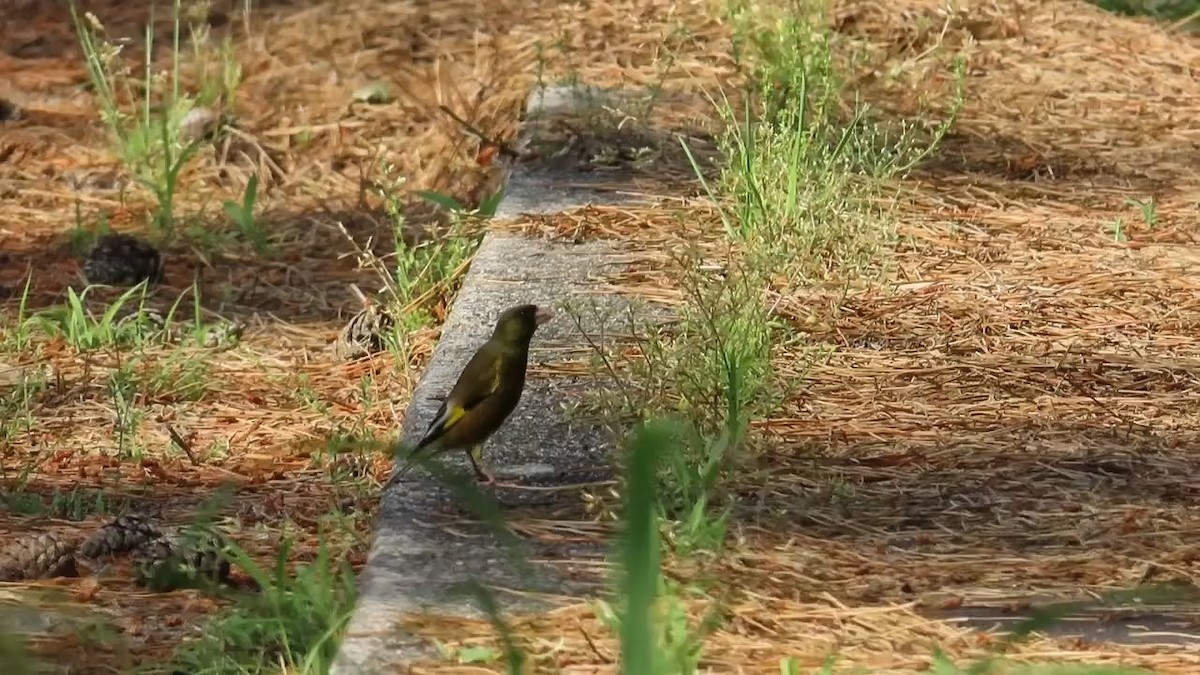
x=425 y=544
x=423 y=547
x=1120 y=625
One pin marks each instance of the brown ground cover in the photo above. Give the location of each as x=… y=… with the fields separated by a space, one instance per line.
x=1013 y=414
x=258 y=417
x=1010 y=414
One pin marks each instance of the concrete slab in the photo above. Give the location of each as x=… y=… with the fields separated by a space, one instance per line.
x=424 y=548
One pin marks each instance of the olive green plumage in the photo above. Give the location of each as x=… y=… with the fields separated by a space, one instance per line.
x=487 y=392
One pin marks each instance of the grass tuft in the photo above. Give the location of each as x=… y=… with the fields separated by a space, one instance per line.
x=293 y=624
x=798 y=199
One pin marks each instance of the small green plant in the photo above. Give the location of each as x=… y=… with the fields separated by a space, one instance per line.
x=801 y=175
x=217 y=71
x=1117 y=228
x=307 y=396
x=79 y=504
x=153 y=142
x=74 y=504
x=18 y=499
x=1148 y=209
x=656 y=633
x=293 y=625
x=477 y=655
x=179 y=377
x=242 y=215
x=123 y=392
x=83 y=237
x=16 y=405
x=486 y=209
x=84 y=331
x=640 y=553
x=16 y=329
x=423 y=272
x=797 y=202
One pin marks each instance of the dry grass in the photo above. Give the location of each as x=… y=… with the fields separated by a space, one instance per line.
x=1011 y=415
x=268 y=408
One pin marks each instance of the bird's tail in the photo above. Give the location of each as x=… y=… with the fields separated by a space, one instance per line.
x=401 y=471
x=410 y=459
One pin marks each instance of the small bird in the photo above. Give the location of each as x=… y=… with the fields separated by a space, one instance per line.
x=487 y=392
x=118 y=259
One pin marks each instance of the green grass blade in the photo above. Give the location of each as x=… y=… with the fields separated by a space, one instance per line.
x=640 y=548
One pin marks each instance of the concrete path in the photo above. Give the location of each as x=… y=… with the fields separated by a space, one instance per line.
x=417 y=560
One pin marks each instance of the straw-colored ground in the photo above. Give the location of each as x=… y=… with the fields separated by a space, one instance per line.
x=1013 y=413
x=258 y=417
x=1013 y=417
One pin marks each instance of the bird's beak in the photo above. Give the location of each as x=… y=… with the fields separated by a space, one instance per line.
x=542 y=316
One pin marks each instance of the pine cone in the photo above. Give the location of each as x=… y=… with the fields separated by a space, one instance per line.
x=364 y=334
x=122 y=260
x=122 y=534
x=38 y=556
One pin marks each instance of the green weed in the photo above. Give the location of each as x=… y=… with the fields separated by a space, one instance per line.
x=486 y=209
x=292 y=625
x=81 y=236
x=1148 y=209
x=178 y=377
x=801 y=176
x=85 y=331
x=75 y=504
x=16 y=329
x=656 y=633
x=421 y=273
x=216 y=69
x=123 y=392
x=1117 y=229
x=242 y=215
x=797 y=202
x=16 y=405
x=155 y=142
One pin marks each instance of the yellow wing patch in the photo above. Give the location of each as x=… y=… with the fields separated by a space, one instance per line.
x=495 y=381
x=453 y=415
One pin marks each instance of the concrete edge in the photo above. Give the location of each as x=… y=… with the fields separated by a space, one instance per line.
x=409 y=562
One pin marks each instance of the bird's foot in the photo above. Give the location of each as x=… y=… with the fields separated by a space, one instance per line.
x=489 y=480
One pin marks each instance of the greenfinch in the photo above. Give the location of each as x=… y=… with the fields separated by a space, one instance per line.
x=486 y=393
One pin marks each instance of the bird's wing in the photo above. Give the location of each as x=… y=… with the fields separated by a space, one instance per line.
x=478 y=381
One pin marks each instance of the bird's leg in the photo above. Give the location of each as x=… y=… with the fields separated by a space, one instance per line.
x=475 y=454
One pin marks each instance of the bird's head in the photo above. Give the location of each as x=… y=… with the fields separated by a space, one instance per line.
x=520 y=322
